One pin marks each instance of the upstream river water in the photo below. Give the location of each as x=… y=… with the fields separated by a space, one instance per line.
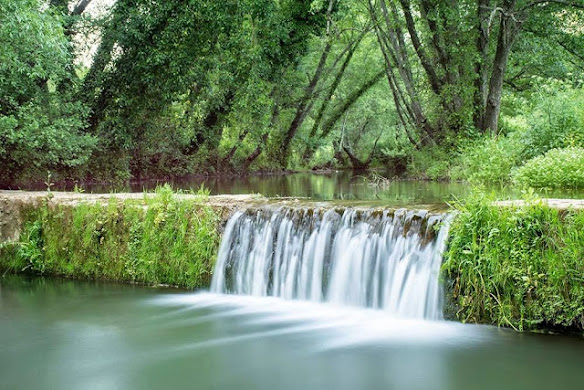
x=346 y=186
x=63 y=334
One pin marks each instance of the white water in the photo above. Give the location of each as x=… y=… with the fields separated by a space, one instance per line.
x=346 y=257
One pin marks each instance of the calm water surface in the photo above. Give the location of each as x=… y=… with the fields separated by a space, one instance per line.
x=59 y=334
x=340 y=186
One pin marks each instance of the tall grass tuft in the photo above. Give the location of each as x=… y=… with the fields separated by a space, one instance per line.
x=520 y=267
x=163 y=239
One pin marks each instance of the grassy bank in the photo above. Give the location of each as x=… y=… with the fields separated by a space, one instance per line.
x=520 y=267
x=162 y=239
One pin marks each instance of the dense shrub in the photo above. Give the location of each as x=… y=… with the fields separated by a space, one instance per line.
x=489 y=160
x=558 y=168
x=555 y=121
x=43 y=136
x=431 y=163
x=41 y=126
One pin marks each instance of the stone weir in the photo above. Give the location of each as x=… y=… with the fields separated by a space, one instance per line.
x=381 y=259
x=174 y=239
x=157 y=239
x=14 y=205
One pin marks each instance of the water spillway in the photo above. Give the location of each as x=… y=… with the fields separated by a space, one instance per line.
x=387 y=260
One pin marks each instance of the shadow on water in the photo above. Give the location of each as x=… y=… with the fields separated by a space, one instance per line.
x=75 y=335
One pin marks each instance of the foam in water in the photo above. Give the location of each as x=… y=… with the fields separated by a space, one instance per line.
x=383 y=260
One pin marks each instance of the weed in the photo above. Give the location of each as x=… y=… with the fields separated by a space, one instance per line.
x=517 y=266
x=162 y=239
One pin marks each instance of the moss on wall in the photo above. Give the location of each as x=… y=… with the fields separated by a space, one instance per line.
x=521 y=267
x=158 y=240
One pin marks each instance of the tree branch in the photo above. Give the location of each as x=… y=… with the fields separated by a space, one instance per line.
x=80 y=7
x=428 y=67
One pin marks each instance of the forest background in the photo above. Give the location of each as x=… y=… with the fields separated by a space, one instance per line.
x=486 y=91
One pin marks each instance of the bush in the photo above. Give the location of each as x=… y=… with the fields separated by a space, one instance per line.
x=556 y=120
x=431 y=163
x=41 y=125
x=489 y=160
x=558 y=168
x=43 y=136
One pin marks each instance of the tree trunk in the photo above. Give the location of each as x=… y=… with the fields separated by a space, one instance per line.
x=349 y=101
x=393 y=46
x=435 y=82
x=335 y=84
x=308 y=152
x=507 y=33
x=256 y=153
x=482 y=76
x=437 y=39
x=301 y=110
x=306 y=102
x=355 y=162
x=259 y=149
x=229 y=156
x=80 y=7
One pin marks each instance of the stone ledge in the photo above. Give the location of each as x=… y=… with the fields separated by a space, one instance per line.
x=12 y=202
x=561 y=204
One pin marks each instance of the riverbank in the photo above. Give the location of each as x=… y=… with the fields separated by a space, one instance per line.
x=517 y=264
x=160 y=238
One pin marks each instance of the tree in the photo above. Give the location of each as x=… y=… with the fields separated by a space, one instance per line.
x=40 y=129
x=460 y=46
x=212 y=59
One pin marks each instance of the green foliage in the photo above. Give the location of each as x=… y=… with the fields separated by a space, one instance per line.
x=40 y=127
x=167 y=238
x=432 y=163
x=517 y=266
x=31 y=247
x=41 y=137
x=324 y=157
x=489 y=159
x=556 y=119
x=551 y=118
x=203 y=87
x=34 y=50
x=558 y=168
x=175 y=85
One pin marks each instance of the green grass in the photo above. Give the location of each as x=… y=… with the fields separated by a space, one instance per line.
x=160 y=240
x=517 y=267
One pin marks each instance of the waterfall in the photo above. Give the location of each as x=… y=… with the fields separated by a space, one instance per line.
x=387 y=260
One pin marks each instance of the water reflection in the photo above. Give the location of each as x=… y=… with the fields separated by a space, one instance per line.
x=336 y=185
x=71 y=335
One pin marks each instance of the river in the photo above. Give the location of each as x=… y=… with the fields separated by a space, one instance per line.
x=302 y=298
x=63 y=334
x=346 y=186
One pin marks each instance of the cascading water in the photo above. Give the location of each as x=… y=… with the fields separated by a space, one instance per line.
x=379 y=259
